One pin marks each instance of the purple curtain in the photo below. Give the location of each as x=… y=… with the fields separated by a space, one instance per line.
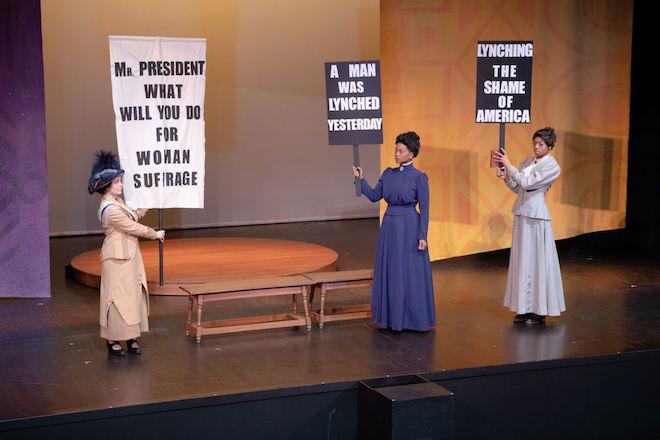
x=24 y=250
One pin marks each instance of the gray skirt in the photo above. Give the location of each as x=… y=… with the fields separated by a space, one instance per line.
x=533 y=282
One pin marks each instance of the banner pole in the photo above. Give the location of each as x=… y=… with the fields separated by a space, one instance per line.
x=356 y=162
x=160 y=248
x=502 y=134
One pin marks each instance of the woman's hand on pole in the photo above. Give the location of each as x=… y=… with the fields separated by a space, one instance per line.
x=501 y=156
x=160 y=235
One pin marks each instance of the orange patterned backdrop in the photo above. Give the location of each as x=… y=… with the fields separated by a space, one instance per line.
x=580 y=86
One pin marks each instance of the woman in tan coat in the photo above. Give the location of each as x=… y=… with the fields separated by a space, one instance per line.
x=124 y=305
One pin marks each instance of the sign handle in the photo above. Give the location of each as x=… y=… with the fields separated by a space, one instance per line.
x=356 y=162
x=502 y=134
x=160 y=248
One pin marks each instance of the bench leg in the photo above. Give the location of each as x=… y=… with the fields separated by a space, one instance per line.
x=200 y=301
x=311 y=294
x=322 y=311
x=189 y=320
x=294 y=304
x=308 y=321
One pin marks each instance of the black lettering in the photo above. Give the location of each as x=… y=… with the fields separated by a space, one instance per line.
x=143 y=157
x=151 y=90
x=193 y=112
x=169 y=111
x=135 y=113
x=121 y=70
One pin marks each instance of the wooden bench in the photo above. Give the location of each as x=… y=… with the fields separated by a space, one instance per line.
x=336 y=280
x=239 y=289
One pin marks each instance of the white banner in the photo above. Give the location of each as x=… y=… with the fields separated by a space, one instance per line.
x=158 y=87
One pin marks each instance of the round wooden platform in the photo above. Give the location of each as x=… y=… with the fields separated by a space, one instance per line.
x=202 y=260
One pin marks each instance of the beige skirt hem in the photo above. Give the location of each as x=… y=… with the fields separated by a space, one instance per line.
x=118 y=330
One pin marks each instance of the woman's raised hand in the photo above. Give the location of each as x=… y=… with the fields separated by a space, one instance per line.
x=357 y=172
x=160 y=235
x=501 y=156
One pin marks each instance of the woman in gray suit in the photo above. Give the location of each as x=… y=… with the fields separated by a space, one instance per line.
x=534 y=288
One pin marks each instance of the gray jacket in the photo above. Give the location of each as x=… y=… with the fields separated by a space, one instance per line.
x=531 y=189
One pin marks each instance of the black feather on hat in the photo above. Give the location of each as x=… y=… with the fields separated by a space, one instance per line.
x=104 y=170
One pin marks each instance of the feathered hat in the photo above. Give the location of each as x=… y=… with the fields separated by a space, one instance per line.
x=104 y=170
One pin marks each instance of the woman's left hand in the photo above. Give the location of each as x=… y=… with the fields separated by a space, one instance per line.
x=501 y=156
x=422 y=245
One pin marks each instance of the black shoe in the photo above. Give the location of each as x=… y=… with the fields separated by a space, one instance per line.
x=521 y=318
x=534 y=319
x=133 y=346
x=115 y=351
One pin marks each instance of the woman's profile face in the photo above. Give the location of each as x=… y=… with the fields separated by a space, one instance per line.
x=540 y=147
x=116 y=187
x=402 y=154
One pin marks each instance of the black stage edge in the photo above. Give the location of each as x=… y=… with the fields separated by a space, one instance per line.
x=611 y=396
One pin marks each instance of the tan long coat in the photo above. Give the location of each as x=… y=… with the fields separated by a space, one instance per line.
x=122 y=273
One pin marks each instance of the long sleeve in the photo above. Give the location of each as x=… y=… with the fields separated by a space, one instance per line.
x=374 y=194
x=512 y=185
x=423 y=200
x=541 y=176
x=119 y=220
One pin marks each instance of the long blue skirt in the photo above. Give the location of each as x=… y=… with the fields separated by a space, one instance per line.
x=402 y=289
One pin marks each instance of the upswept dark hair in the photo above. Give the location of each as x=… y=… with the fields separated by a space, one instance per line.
x=548 y=135
x=411 y=140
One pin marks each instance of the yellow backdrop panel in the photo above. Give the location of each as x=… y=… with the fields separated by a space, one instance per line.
x=580 y=86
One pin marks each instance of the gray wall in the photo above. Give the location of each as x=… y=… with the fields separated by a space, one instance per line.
x=267 y=154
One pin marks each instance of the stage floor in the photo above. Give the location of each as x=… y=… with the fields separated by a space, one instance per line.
x=53 y=361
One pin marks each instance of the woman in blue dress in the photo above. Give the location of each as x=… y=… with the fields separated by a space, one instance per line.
x=402 y=289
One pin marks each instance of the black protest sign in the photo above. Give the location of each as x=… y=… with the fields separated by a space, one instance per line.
x=504 y=81
x=355 y=114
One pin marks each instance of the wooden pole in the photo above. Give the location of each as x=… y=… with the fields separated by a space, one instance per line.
x=356 y=162
x=160 y=248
